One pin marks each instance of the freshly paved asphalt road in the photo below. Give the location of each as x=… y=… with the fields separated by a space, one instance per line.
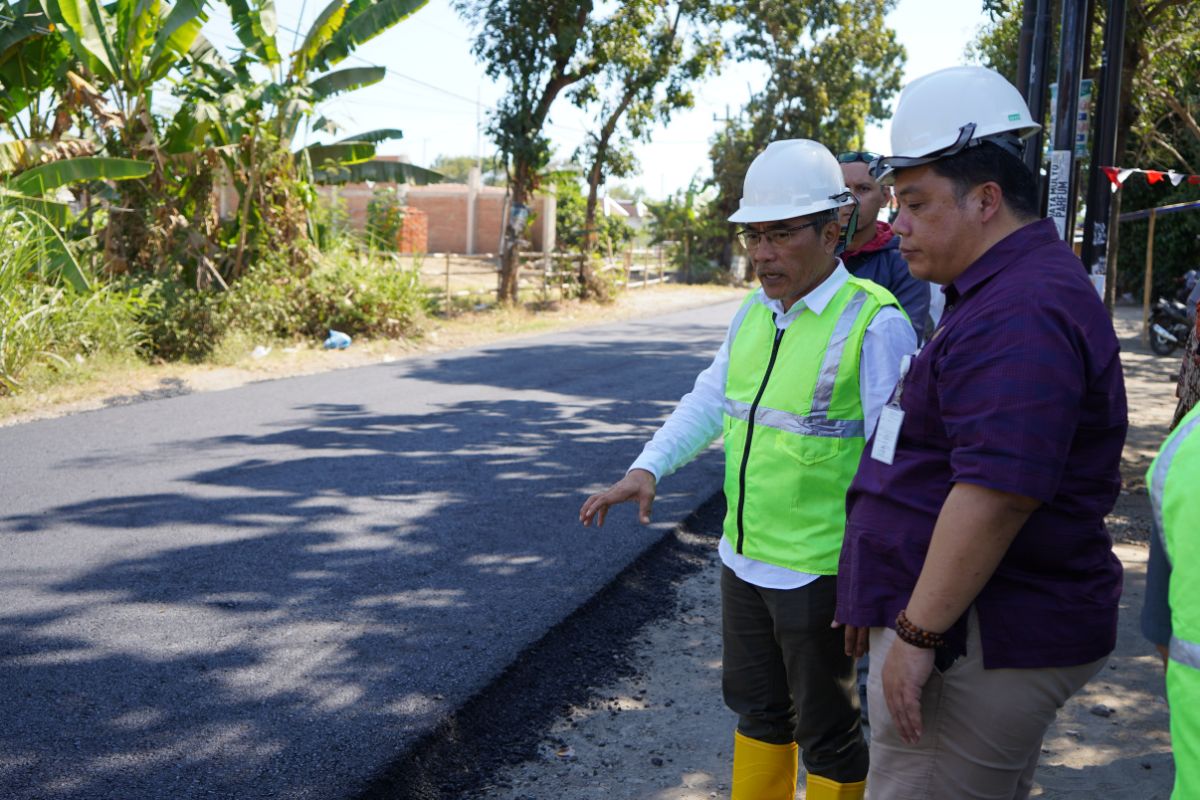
x=273 y=591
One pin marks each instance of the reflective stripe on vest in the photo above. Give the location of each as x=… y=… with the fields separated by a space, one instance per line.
x=794 y=430
x=794 y=423
x=1184 y=652
x=1158 y=478
x=833 y=356
x=817 y=422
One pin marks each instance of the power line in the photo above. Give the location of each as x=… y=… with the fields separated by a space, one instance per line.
x=398 y=74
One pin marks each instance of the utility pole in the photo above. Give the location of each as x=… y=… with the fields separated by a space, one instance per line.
x=1061 y=194
x=1035 y=90
x=478 y=128
x=1025 y=47
x=1104 y=152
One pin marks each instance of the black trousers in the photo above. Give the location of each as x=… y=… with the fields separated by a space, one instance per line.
x=787 y=677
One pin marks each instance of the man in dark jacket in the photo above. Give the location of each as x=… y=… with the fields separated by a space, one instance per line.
x=873 y=252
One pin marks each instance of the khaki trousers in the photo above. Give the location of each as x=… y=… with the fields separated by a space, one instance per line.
x=982 y=729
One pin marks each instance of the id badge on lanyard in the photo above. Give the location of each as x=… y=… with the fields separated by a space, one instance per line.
x=887 y=430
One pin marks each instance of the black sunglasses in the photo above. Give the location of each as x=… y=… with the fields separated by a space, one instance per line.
x=852 y=156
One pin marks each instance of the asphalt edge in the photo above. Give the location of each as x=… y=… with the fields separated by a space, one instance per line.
x=504 y=722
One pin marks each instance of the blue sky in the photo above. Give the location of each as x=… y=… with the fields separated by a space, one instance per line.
x=435 y=90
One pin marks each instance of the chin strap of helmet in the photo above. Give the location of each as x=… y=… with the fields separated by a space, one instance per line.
x=851 y=226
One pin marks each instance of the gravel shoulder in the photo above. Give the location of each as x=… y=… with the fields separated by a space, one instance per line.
x=651 y=725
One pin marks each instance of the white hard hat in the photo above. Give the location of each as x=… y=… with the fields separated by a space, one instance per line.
x=791 y=178
x=942 y=113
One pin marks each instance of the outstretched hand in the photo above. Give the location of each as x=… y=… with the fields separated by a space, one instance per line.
x=638 y=484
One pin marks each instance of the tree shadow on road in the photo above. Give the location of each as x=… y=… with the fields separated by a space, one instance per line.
x=326 y=591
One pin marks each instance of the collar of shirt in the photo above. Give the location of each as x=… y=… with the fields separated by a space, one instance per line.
x=1016 y=245
x=816 y=300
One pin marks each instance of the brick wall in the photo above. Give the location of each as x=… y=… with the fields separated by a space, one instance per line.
x=444 y=208
x=414 y=232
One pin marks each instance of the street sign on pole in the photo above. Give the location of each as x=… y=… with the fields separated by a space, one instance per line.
x=1058 y=193
x=1070 y=68
x=1083 y=116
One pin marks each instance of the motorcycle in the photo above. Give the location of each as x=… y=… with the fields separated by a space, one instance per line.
x=1169 y=326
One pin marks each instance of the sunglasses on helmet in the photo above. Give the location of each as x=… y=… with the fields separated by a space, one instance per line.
x=853 y=156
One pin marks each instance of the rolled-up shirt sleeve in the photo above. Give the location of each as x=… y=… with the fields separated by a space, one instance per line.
x=1010 y=393
x=693 y=425
x=889 y=338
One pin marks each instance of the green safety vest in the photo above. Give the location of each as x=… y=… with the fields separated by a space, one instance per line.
x=793 y=428
x=1174 y=484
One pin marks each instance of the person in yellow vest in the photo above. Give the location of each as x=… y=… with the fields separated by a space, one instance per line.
x=1172 y=481
x=809 y=360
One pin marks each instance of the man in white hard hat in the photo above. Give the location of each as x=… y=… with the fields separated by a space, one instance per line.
x=873 y=249
x=975 y=551
x=795 y=388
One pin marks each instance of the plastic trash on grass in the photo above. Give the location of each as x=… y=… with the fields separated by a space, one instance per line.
x=337 y=340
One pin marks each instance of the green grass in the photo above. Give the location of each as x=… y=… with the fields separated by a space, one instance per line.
x=45 y=324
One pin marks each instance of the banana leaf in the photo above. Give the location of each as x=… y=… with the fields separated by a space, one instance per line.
x=375 y=136
x=30 y=56
x=345 y=80
x=39 y=180
x=322 y=30
x=176 y=35
x=378 y=171
x=23 y=154
x=49 y=216
x=256 y=26
x=83 y=25
x=343 y=154
x=365 y=19
x=208 y=57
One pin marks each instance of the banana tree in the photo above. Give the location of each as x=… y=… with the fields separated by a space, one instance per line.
x=32 y=192
x=128 y=46
x=309 y=79
x=31 y=61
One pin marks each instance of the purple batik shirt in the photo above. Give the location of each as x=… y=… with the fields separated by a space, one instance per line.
x=1020 y=390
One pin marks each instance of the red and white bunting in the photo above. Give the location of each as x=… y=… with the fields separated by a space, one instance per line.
x=1118 y=176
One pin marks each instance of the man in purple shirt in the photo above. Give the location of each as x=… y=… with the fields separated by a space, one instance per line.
x=975 y=552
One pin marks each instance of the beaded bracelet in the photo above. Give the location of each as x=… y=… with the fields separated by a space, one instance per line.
x=917 y=637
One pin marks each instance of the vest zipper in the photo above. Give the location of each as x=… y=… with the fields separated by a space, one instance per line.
x=750 y=435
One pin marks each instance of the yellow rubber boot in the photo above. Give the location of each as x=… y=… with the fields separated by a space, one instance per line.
x=763 y=771
x=824 y=789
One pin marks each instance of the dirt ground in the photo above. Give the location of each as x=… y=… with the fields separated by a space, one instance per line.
x=663 y=733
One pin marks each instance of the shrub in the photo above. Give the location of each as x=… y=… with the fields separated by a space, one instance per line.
x=44 y=322
x=181 y=323
x=385 y=218
x=356 y=294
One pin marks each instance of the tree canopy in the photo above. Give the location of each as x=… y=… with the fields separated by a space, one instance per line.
x=1158 y=125
x=835 y=66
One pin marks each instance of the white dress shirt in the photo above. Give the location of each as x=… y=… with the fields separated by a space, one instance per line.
x=698 y=418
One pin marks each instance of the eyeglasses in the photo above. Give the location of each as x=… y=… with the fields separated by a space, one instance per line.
x=778 y=237
x=852 y=156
